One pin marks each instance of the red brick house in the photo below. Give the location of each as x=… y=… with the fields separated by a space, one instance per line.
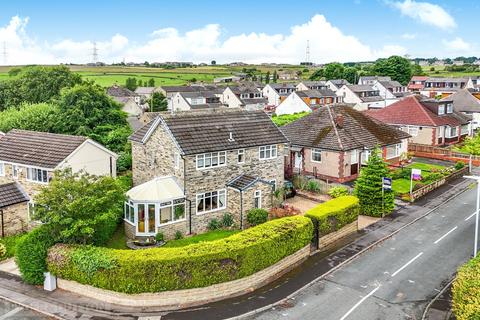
x=428 y=121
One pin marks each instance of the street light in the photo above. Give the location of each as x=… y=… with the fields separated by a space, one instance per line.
x=476 y=178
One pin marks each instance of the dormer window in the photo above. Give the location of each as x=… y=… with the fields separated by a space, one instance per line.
x=441 y=109
x=450 y=108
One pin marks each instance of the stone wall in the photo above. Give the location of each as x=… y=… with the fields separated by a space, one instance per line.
x=330 y=240
x=15 y=219
x=171 y=300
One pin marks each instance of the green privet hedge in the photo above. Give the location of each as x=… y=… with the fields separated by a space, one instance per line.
x=466 y=291
x=335 y=214
x=31 y=253
x=192 y=266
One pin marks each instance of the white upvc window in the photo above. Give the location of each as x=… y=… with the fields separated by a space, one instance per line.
x=241 y=156
x=267 y=152
x=365 y=154
x=394 y=151
x=211 y=160
x=2 y=169
x=449 y=108
x=129 y=212
x=413 y=131
x=451 y=132
x=257 y=199
x=441 y=109
x=354 y=157
x=37 y=175
x=15 y=171
x=211 y=201
x=464 y=130
x=316 y=155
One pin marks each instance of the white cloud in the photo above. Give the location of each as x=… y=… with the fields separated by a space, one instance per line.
x=327 y=43
x=457 y=44
x=425 y=12
x=409 y=36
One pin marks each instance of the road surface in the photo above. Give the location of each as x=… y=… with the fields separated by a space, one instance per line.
x=10 y=311
x=396 y=279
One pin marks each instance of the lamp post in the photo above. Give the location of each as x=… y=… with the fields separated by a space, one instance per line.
x=476 y=178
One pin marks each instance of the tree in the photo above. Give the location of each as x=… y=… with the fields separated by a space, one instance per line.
x=317 y=75
x=151 y=82
x=158 y=102
x=36 y=117
x=267 y=77
x=213 y=63
x=398 y=68
x=275 y=76
x=333 y=70
x=368 y=187
x=80 y=208
x=418 y=71
x=131 y=84
x=350 y=74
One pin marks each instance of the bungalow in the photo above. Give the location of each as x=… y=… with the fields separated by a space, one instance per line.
x=442 y=86
x=363 y=97
x=306 y=101
x=428 y=121
x=145 y=92
x=391 y=91
x=311 y=85
x=338 y=141
x=28 y=159
x=246 y=96
x=184 y=101
x=370 y=80
x=192 y=167
x=170 y=91
x=464 y=101
x=336 y=84
x=277 y=92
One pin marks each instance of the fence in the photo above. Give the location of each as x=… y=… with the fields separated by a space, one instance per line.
x=426 y=151
x=436 y=184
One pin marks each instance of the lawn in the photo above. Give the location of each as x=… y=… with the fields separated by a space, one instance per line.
x=402 y=185
x=118 y=240
x=209 y=236
x=10 y=243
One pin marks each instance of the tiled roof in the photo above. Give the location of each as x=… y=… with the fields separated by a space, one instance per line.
x=464 y=101
x=12 y=193
x=358 y=130
x=118 y=91
x=209 y=130
x=339 y=81
x=411 y=111
x=242 y=182
x=316 y=93
x=41 y=149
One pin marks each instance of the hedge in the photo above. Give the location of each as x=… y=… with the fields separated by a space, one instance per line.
x=466 y=291
x=192 y=266
x=31 y=253
x=335 y=214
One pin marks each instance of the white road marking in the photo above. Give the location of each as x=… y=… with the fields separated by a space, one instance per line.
x=470 y=216
x=359 y=303
x=446 y=234
x=11 y=313
x=407 y=264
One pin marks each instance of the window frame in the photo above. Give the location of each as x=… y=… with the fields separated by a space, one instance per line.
x=412 y=129
x=315 y=151
x=211 y=155
x=257 y=195
x=441 y=109
x=240 y=153
x=30 y=175
x=270 y=149
x=201 y=196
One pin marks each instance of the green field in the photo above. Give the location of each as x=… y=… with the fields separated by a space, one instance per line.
x=439 y=71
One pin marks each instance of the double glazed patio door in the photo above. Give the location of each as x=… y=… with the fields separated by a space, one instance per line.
x=146 y=218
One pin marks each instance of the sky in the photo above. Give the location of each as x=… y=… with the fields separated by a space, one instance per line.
x=51 y=32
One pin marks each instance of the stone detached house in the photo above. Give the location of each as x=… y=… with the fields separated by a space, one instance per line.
x=191 y=167
x=13 y=209
x=338 y=141
x=28 y=160
x=428 y=121
x=131 y=102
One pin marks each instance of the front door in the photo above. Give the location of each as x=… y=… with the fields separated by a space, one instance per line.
x=298 y=160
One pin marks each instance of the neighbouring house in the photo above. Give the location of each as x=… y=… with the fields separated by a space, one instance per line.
x=464 y=101
x=473 y=82
x=29 y=159
x=428 y=121
x=170 y=91
x=277 y=92
x=184 y=101
x=417 y=83
x=131 y=102
x=442 y=87
x=370 y=80
x=227 y=79
x=192 y=167
x=14 y=209
x=391 y=91
x=306 y=101
x=311 y=85
x=246 y=96
x=288 y=75
x=336 y=84
x=338 y=141
x=145 y=93
x=363 y=97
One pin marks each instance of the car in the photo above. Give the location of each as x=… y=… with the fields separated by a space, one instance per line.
x=289 y=188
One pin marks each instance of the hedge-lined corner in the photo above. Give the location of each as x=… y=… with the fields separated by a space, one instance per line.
x=335 y=214
x=192 y=266
x=466 y=291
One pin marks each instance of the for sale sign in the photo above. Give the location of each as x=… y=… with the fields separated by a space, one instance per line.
x=416 y=174
x=387 y=183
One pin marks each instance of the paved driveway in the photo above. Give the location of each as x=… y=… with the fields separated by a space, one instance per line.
x=302 y=204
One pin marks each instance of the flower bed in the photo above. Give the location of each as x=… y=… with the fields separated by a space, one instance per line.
x=192 y=266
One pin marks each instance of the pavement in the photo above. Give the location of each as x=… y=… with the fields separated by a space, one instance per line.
x=10 y=311
x=351 y=282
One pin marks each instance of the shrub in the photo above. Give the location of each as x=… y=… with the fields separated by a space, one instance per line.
x=159 y=237
x=214 y=224
x=3 y=250
x=31 y=254
x=257 y=216
x=196 y=265
x=339 y=191
x=313 y=186
x=227 y=220
x=10 y=243
x=335 y=214
x=466 y=291
x=459 y=165
x=178 y=235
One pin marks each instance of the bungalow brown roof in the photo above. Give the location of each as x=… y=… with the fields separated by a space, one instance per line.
x=39 y=149
x=209 y=130
x=323 y=129
x=12 y=193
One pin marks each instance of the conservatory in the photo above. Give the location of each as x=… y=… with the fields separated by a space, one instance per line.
x=152 y=205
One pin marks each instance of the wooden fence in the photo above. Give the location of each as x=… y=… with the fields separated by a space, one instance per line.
x=436 y=184
x=426 y=151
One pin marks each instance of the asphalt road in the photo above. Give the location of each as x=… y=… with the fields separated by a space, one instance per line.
x=10 y=311
x=396 y=279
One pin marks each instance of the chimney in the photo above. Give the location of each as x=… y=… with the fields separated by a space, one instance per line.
x=339 y=120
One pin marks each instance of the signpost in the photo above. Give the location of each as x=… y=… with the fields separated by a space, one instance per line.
x=386 y=185
x=416 y=174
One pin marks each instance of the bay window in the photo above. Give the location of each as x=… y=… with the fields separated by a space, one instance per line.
x=267 y=152
x=211 y=201
x=394 y=151
x=211 y=160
